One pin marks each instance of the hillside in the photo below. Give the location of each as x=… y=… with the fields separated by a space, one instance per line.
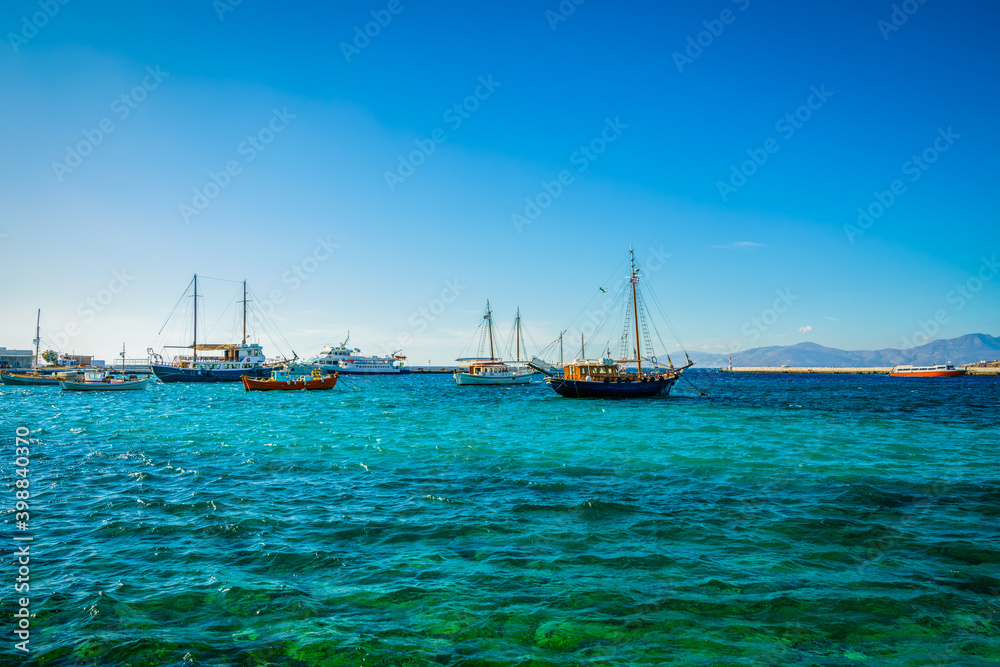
x=966 y=349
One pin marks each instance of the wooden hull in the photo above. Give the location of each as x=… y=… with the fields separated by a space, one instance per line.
x=176 y=374
x=267 y=384
x=585 y=389
x=928 y=374
x=25 y=380
x=131 y=385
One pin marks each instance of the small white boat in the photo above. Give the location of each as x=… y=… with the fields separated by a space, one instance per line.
x=491 y=371
x=103 y=381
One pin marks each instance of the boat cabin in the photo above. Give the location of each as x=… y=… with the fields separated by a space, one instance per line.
x=593 y=371
x=233 y=357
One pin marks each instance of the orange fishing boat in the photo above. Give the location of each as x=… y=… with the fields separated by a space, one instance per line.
x=938 y=371
x=287 y=380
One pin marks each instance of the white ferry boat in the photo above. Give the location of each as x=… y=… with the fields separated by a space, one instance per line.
x=348 y=361
x=935 y=371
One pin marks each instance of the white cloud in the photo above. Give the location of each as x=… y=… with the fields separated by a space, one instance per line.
x=739 y=245
x=832 y=319
x=805 y=329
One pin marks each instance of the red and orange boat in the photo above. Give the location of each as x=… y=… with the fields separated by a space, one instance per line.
x=937 y=371
x=288 y=380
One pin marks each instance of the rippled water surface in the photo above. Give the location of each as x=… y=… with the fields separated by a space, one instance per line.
x=791 y=520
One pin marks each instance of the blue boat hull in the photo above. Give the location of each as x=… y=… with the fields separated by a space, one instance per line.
x=174 y=374
x=585 y=389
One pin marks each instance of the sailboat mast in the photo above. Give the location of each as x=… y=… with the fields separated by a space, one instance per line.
x=518 y=343
x=244 y=312
x=635 y=309
x=561 y=348
x=489 y=321
x=38 y=335
x=583 y=348
x=194 y=347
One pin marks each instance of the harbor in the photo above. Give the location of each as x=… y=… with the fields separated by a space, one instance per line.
x=836 y=370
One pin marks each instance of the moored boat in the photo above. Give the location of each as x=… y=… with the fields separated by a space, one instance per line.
x=219 y=362
x=348 y=361
x=610 y=378
x=104 y=381
x=490 y=370
x=291 y=379
x=936 y=371
x=108 y=380
x=35 y=377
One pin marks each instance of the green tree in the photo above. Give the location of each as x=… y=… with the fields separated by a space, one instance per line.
x=49 y=356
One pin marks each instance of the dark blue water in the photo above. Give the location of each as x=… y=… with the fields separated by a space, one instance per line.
x=789 y=520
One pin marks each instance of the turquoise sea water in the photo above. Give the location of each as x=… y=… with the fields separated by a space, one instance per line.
x=790 y=520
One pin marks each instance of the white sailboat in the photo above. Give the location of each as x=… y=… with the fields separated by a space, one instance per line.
x=490 y=370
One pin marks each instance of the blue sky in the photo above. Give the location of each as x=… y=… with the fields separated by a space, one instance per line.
x=334 y=172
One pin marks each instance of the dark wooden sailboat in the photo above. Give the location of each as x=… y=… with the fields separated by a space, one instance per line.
x=610 y=378
x=222 y=363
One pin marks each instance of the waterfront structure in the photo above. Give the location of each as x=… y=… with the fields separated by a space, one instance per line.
x=16 y=358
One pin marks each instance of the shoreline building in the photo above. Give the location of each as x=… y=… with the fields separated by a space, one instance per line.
x=16 y=358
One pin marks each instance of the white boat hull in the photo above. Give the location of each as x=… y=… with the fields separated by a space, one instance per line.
x=494 y=378
x=104 y=386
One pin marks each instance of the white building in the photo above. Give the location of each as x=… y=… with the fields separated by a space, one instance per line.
x=16 y=358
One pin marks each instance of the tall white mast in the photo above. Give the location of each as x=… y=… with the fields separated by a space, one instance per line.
x=38 y=335
x=635 y=309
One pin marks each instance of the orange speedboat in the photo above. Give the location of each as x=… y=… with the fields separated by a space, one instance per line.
x=937 y=371
x=287 y=380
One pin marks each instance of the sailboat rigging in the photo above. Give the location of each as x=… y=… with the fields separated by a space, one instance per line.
x=611 y=378
x=493 y=371
x=221 y=362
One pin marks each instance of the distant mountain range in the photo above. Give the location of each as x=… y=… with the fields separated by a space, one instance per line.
x=962 y=350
